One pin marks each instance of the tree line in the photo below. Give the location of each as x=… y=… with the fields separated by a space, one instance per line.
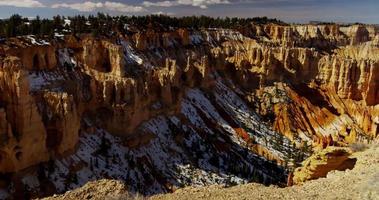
x=102 y=24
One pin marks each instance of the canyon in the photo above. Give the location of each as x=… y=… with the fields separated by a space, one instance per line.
x=161 y=110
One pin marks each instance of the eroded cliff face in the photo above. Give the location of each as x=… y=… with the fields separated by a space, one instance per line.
x=32 y=135
x=221 y=103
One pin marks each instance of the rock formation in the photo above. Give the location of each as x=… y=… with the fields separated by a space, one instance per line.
x=319 y=164
x=251 y=97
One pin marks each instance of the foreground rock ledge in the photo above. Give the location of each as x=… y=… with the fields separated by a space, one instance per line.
x=321 y=163
x=95 y=190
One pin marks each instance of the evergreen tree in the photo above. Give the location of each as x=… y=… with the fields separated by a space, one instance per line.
x=58 y=23
x=13 y=23
x=35 y=26
x=47 y=28
x=96 y=162
x=104 y=24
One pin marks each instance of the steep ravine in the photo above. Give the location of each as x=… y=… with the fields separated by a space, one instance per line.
x=188 y=108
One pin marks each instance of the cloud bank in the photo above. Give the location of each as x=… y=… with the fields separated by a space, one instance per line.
x=196 y=3
x=22 y=3
x=89 y=6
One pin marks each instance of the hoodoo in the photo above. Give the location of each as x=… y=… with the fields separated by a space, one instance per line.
x=160 y=108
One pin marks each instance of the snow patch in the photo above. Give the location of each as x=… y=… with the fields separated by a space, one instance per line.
x=130 y=54
x=196 y=39
x=34 y=41
x=38 y=80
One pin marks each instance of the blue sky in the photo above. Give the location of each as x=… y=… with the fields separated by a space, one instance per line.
x=366 y=11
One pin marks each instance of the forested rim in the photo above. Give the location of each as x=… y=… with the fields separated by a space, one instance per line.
x=104 y=24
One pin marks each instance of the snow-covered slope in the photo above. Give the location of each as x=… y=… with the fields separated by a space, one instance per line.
x=198 y=147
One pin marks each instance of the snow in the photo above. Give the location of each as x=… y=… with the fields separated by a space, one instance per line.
x=160 y=126
x=143 y=167
x=31 y=181
x=67 y=22
x=34 y=41
x=215 y=36
x=157 y=105
x=43 y=42
x=88 y=145
x=130 y=54
x=190 y=112
x=196 y=39
x=249 y=120
x=197 y=147
x=65 y=58
x=58 y=35
x=41 y=79
x=200 y=101
x=209 y=38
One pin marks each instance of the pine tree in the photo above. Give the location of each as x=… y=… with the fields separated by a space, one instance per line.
x=96 y=162
x=12 y=25
x=35 y=26
x=58 y=23
x=103 y=24
x=47 y=28
x=91 y=164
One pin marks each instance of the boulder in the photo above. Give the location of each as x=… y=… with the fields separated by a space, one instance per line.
x=321 y=163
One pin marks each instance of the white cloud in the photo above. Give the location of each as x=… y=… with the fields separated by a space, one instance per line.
x=22 y=3
x=164 y=13
x=84 y=7
x=197 y=3
x=120 y=7
x=160 y=3
x=89 y=6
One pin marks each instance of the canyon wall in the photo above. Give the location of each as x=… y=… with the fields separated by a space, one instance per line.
x=313 y=84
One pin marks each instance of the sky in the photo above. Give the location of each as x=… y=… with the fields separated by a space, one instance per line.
x=298 y=11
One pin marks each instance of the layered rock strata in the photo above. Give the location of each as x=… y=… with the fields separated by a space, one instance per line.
x=264 y=91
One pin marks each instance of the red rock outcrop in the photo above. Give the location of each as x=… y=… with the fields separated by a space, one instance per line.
x=293 y=76
x=358 y=34
x=333 y=87
x=320 y=164
x=25 y=137
x=35 y=57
